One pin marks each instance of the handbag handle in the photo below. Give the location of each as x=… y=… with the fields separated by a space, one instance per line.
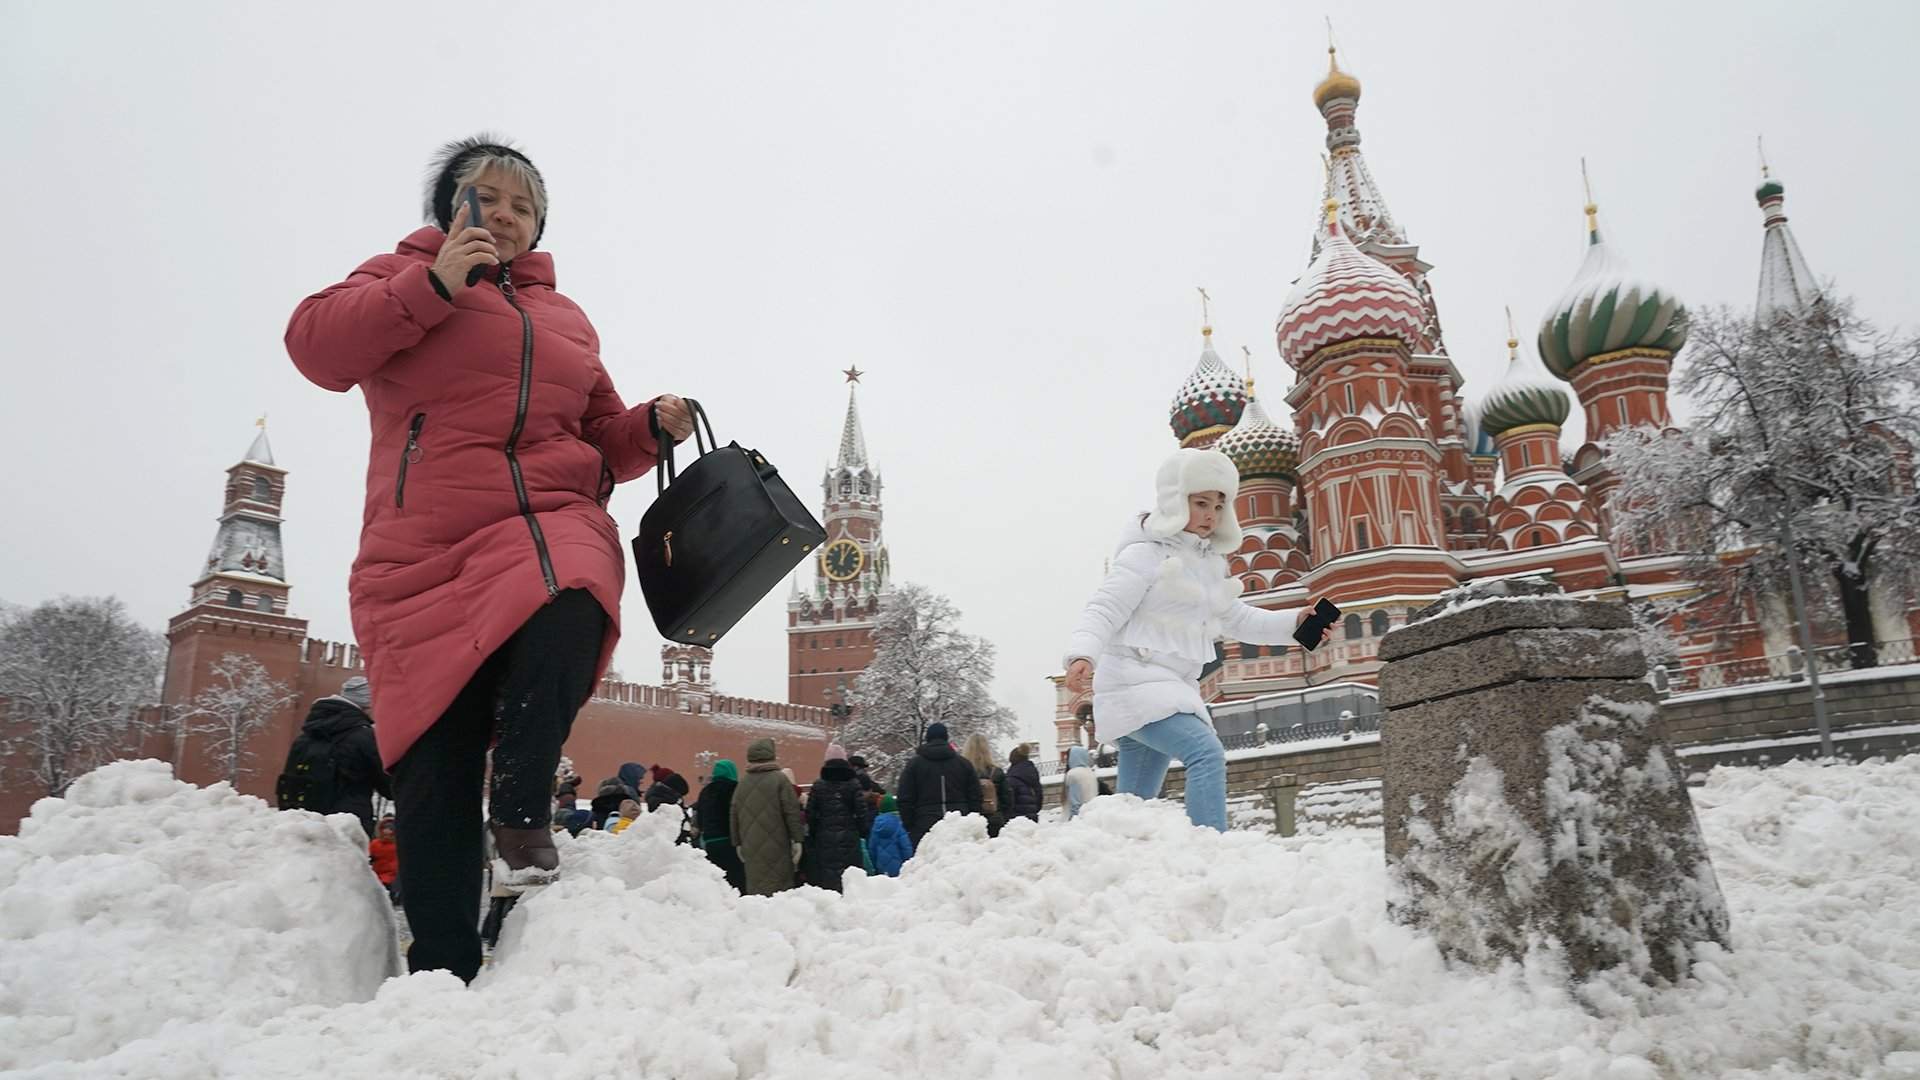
x=664 y=472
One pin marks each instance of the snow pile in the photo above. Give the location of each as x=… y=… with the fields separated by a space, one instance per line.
x=138 y=902
x=1123 y=944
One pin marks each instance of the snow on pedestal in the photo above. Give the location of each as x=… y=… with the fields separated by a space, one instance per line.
x=1530 y=797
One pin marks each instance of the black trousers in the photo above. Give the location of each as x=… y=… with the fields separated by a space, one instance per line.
x=522 y=700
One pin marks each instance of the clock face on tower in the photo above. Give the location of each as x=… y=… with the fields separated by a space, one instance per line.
x=842 y=559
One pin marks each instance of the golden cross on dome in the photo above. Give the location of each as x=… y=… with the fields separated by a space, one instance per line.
x=262 y=422
x=1513 y=338
x=853 y=374
x=1247 y=362
x=1206 y=311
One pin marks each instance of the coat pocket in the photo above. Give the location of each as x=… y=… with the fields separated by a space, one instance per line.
x=409 y=454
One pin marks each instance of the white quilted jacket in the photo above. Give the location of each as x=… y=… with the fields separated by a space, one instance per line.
x=1151 y=628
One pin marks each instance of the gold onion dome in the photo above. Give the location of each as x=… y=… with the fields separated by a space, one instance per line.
x=1337 y=84
x=1212 y=398
x=1525 y=395
x=1259 y=447
x=1608 y=309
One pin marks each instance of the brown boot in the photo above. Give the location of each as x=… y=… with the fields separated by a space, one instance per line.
x=524 y=858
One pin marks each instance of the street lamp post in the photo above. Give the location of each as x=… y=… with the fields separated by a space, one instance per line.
x=1806 y=637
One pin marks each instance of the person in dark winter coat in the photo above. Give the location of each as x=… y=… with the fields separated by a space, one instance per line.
x=714 y=813
x=1023 y=784
x=995 y=799
x=935 y=782
x=838 y=819
x=629 y=784
x=343 y=721
x=888 y=844
x=867 y=782
x=765 y=823
x=667 y=791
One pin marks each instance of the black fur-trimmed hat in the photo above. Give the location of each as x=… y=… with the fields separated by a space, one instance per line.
x=453 y=158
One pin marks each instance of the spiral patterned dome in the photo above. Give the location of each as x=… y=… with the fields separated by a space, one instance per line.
x=1211 y=400
x=1608 y=308
x=1347 y=294
x=1526 y=394
x=1259 y=447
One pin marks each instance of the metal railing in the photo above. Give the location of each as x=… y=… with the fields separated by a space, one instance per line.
x=1345 y=726
x=1790 y=666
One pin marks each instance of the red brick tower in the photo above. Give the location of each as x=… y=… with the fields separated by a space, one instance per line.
x=239 y=604
x=830 y=625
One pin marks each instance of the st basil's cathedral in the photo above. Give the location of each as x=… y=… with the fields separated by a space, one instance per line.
x=1390 y=486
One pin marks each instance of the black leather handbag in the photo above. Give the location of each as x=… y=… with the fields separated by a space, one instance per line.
x=722 y=534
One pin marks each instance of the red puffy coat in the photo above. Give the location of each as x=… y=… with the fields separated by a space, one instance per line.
x=496 y=439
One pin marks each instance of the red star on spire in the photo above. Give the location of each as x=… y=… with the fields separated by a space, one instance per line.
x=853 y=374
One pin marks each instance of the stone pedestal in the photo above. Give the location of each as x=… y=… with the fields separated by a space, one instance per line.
x=1529 y=794
x=1284 y=790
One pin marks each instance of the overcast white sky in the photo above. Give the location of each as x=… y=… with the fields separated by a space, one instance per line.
x=1000 y=211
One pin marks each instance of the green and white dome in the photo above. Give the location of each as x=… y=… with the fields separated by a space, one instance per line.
x=1525 y=395
x=1608 y=308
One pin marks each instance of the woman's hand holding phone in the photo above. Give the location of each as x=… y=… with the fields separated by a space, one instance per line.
x=467 y=247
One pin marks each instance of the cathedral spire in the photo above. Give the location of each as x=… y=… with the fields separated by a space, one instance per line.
x=853 y=440
x=1786 y=284
x=260 y=451
x=1363 y=210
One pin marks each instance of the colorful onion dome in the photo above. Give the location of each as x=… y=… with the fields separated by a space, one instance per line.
x=1526 y=394
x=1606 y=309
x=1769 y=188
x=1337 y=84
x=1346 y=294
x=1211 y=400
x=1259 y=447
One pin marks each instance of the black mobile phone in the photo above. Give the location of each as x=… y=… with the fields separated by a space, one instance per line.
x=472 y=196
x=1324 y=615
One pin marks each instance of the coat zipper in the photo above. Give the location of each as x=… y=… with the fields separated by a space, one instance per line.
x=408 y=456
x=519 y=424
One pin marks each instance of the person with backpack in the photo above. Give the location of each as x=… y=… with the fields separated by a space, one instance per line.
x=994 y=798
x=888 y=845
x=838 y=820
x=1023 y=783
x=764 y=821
x=333 y=766
x=713 y=814
x=935 y=782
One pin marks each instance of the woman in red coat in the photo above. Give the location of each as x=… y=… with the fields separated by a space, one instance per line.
x=486 y=593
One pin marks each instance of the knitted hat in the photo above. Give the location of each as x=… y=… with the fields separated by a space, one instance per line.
x=357 y=691
x=836 y=752
x=937 y=733
x=1185 y=473
x=887 y=804
x=443 y=172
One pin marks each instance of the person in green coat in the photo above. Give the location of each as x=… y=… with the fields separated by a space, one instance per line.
x=765 y=823
x=713 y=814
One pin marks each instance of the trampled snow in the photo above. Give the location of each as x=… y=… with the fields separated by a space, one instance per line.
x=192 y=933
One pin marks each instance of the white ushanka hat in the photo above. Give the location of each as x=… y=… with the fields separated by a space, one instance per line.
x=1185 y=473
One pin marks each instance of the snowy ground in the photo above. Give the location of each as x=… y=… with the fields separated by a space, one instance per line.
x=152 y=929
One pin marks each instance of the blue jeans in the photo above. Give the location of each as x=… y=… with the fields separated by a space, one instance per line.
x=1145 y=754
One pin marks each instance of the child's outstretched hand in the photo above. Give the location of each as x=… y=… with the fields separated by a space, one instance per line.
x=1326 y=634
x=1079 y=676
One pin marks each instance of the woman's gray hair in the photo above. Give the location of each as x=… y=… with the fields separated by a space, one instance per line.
x=495 y=161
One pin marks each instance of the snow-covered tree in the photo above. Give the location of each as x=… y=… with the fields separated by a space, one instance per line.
x=1804 y=423
x=241 y=701
x=72 y=673
x=924 y=671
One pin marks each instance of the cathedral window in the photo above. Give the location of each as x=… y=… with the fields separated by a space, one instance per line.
x=1360 y=541
x=236 y=598
x=866 y=484
x=1352 y=628
x=846 y=486
x=1380 y=623
x=266 y=602
x=1622 y=399
x=262 y=490
x=1349 y=389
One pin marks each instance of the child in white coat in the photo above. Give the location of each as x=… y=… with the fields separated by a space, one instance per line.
x=1151 y=628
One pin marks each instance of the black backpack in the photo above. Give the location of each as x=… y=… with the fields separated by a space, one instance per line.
x=311 y=779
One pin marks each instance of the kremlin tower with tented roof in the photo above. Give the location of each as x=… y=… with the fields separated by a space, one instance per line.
x=1376 y=484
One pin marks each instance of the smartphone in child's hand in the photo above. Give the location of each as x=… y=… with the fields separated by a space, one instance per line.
x=1309 y=633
